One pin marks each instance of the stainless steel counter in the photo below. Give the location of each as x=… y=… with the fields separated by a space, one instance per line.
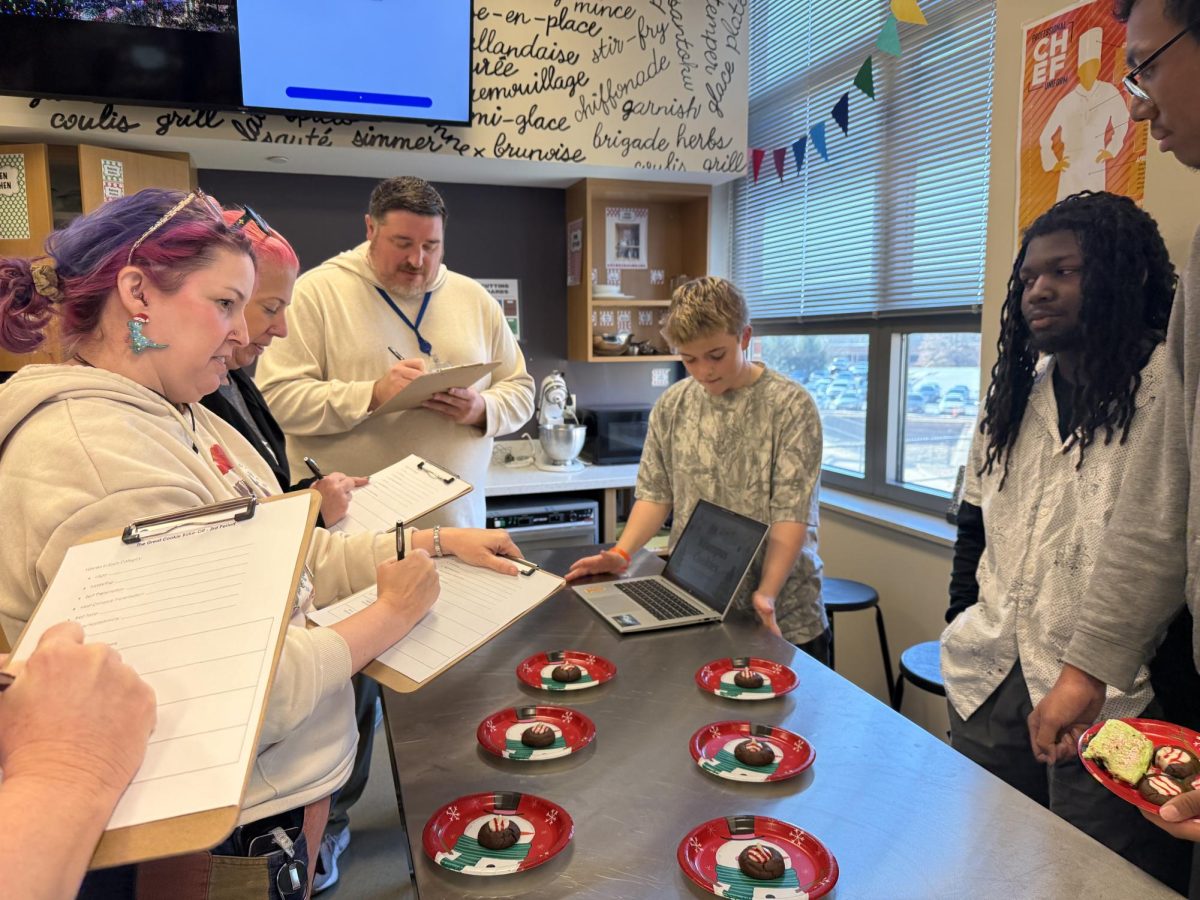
x=905 y=815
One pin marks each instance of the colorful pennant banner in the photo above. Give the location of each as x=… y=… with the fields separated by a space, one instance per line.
x=907 y=11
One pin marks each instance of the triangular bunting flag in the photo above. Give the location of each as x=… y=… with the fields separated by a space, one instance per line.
x=908 y=11
x=841 y=113
x=798 y=152
x=780 y=154
x=817 y=133
x=889 y=38
x=865 y=79
x=756 y=158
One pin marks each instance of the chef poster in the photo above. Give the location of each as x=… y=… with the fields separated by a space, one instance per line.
x=1075 y=131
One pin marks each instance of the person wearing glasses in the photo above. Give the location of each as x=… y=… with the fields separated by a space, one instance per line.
x=1151 y=560
x=149 y=291
x=238 y=401
x=391 y=297
x=1091 y=122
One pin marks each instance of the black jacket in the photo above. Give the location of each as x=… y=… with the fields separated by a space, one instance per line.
x=261 y=413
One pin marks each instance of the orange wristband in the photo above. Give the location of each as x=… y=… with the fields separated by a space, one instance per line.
x=621 y=553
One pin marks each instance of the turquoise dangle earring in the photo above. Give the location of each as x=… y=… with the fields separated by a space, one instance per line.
x=138 y=341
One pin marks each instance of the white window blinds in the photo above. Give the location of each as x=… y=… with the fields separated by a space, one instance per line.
x=896 y=221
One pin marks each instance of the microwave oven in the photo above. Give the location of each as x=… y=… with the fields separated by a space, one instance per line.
x=615 y=433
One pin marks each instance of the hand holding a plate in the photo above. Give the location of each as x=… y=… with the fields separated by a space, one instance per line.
x=1178 y=817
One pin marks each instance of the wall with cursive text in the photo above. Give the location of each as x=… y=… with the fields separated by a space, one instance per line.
x=644 y=84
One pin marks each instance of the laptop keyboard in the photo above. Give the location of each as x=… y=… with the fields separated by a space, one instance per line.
x=660 y=602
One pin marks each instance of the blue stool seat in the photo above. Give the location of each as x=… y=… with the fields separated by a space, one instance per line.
x=922 y=665
x=844 y=595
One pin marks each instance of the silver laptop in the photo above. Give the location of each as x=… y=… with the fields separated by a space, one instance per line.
x=705 y=571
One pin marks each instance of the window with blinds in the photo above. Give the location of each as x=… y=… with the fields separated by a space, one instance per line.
x=895 y=222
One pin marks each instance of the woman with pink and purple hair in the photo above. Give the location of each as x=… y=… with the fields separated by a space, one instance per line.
x=150 y=291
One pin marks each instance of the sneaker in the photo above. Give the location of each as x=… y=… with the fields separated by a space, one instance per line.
x=326 y=872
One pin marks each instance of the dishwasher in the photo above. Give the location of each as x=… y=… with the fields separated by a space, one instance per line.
x=546 y=525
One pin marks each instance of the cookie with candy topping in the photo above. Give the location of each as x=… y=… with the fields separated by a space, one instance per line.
x=761 y=862
x=754 y=753
x=1176 y=762
x=498 y=833
x=566 y=673
x=748 y=679
x=1158 y=789
x=538 y=735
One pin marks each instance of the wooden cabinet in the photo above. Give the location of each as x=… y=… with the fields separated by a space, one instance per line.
x=57 y=183
x=674 y=242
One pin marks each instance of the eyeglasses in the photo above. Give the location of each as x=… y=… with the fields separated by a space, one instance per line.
x=249 y=215
x=170 y=214
x=1130 y=81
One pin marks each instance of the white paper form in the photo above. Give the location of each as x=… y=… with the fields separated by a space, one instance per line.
x=402 y=492
x=475 y=604
x=196 y=612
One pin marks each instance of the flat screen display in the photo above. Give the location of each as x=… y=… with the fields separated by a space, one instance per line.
x=713 y=553
x=369 y=58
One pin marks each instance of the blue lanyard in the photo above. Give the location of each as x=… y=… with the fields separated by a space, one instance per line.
x=424 y=345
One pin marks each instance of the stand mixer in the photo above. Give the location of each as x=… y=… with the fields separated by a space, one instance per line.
x=561 y=442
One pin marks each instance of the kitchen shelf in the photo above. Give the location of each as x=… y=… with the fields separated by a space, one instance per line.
x=676 y=243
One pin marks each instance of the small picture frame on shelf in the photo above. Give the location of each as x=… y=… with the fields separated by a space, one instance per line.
x=625 y=231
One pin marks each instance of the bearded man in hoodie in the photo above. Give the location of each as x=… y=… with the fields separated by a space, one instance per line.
x=349 y=319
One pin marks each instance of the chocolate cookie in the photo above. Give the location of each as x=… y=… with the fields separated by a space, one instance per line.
x=566 y=673
x=748 y=678
x=538 y=735
x=761 y=862
x=499 y=833
x=754 y=753
x=1176 y=762
x=1158 y=789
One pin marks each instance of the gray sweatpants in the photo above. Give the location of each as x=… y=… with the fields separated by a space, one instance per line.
x=996 y=737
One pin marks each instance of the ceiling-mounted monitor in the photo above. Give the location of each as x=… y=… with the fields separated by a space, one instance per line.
x=395 y=59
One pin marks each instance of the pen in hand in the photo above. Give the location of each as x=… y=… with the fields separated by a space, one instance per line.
x=399 y=540
x=392 y=350
x=312 y=466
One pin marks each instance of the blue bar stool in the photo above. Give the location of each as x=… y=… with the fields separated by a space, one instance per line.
x=843 y=595
x=922 y=665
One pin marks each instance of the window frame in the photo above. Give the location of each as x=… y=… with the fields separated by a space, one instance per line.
x=886 y=398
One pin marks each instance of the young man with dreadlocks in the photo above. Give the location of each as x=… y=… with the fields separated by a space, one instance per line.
x=1080 y=361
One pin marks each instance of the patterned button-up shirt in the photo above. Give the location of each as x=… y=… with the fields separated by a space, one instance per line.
x=1044 y=532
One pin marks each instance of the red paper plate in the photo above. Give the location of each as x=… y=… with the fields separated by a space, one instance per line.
x=712 y=749
x=451 y=835
x=716 y=677
x=708 y=856
x=1159 y=732
x=536 y=670
x=500 y=733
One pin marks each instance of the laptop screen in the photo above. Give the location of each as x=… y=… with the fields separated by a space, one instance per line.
x=713 y=553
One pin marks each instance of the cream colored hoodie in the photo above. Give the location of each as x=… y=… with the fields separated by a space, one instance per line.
x=85 y=450
x=318 y=379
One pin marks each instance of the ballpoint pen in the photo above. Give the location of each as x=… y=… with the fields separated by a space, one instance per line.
x=312 y=466
x=399 y=540
x=392 y=350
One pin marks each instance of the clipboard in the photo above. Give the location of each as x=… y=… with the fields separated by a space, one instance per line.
x=404 y=491
x=398 y=681
x=425 y=386
x=201 y=830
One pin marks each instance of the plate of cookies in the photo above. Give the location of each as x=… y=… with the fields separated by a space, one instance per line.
x=757 y=856
x=743 y=751
x=496 y=833
x=530 y=733
x=1144 y=761
x=746 y=678
x=565 y=670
